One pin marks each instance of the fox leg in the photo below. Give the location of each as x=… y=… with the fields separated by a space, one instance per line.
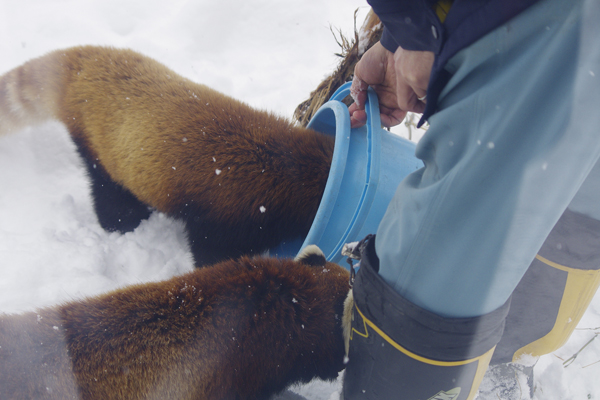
x=117 y=208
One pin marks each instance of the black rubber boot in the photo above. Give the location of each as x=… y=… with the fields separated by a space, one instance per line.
x=546 y=305
x=555 y=292
x=400 y=351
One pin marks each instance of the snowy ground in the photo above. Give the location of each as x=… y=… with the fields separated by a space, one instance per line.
x=268 y=53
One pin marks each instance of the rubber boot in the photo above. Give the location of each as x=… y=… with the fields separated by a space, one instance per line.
x=547 y=304
x=554 y=293
x=398 y=350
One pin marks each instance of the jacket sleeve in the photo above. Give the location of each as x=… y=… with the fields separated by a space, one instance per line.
x=410 y=24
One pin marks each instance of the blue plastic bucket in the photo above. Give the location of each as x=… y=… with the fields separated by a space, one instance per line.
x=368 y=164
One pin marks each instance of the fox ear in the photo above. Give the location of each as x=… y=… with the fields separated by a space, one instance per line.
x=311 y=255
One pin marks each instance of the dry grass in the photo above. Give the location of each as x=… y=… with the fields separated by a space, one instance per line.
x=351 y=51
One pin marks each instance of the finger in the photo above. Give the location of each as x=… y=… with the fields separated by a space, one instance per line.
x=415 y=68
x=391 y=117
x=358 y=119
x=409 y=100
x=420 y=107
x=406 y=97
x=421 y=101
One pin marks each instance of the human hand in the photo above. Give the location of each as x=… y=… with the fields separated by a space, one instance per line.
x=400 y=80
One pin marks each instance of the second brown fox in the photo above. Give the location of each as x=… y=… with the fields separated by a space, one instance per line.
x=241 y=329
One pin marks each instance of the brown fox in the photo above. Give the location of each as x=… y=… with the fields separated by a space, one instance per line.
x=241 y=179
x=243 y=329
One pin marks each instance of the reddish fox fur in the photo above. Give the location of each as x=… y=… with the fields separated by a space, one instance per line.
x=242 y=329
x=243 y=180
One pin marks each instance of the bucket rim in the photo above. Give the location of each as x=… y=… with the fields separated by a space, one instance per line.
x=343 y=135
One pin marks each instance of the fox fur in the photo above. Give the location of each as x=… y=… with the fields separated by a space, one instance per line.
x=241 y=179
x=242 y=329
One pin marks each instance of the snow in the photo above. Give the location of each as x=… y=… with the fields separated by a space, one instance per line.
x=270 y=54
x=363 y=38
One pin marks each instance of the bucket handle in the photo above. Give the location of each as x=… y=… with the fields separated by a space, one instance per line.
x=373 y=163
x=338 y=163
x=371 y=107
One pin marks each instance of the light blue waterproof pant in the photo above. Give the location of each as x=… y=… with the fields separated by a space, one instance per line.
x=516 y=135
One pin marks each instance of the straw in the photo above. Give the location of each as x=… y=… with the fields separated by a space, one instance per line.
x=351 y=51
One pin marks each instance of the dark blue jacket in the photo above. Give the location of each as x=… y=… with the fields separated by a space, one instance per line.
x=414 y=25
